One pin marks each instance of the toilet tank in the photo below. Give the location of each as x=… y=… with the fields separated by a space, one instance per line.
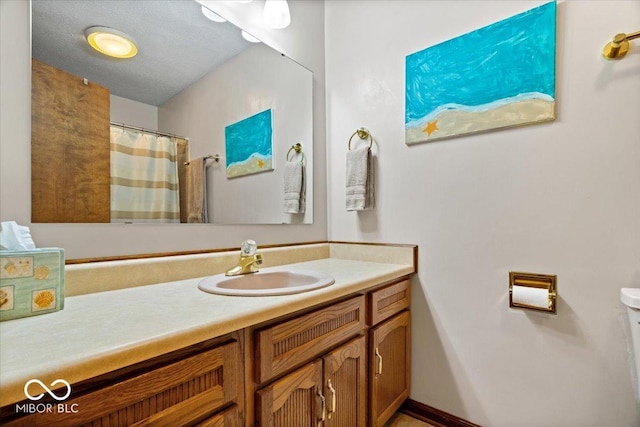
x=631 y=298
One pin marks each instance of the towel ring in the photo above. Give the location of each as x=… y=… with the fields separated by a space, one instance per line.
x=363 y=133
x=298 y=149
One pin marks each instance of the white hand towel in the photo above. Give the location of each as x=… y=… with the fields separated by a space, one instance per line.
x=360 y=179
x=294 y=187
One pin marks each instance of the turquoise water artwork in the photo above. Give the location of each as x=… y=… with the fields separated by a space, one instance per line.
x=497 y=76
x=249 y=145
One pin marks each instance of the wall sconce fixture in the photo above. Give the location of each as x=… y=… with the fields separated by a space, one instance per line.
x=248 y=37
x=619 y=46
x=276 y=14
x=111 y=42
x=212 y=15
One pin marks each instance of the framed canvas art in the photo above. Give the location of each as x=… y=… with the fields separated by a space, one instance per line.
x=498 y=76
x=249 y=145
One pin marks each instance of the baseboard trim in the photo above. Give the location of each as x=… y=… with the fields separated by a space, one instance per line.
x=432 y=415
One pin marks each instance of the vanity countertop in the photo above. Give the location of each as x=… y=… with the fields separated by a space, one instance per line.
x=100 y=332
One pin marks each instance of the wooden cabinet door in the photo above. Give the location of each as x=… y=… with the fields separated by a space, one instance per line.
x=389 y=371
x=345 y=384
x=294 y=400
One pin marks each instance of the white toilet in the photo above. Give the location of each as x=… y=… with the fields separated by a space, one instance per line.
x=631 y=298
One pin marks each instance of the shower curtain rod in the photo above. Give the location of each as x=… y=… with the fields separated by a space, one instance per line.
x=154 y=132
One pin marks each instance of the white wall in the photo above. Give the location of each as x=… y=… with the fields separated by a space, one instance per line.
x=559 y=198
x=133 y=113
x=302 y=41
x=257 y=79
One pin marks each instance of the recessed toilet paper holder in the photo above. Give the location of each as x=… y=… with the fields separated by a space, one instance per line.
x=533 y=291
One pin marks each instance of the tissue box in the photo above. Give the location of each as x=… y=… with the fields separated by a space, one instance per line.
x=31 y=282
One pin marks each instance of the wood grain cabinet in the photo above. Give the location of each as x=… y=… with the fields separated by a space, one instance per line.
x=345 y=384
x=389 y=371
x=330 y=388
x=227 y=418
x=343 y=364
x=296 y=399
x=201 y=389
x=331 y=391
x=389 y=350
x=281 y=347
x=360 y=382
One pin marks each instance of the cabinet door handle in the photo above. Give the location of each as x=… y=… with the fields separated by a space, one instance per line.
x=333 y=399
x=323 y=415
x=379 y=370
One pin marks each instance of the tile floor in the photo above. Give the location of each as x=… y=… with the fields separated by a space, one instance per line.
x=402 y=420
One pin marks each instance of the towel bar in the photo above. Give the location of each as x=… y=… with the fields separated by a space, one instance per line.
x=217 y=158
x=363 y=133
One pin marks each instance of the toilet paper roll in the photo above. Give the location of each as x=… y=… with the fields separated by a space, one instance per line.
x=535 y=297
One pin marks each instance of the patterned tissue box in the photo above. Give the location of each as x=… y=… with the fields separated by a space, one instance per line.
x=31 y=282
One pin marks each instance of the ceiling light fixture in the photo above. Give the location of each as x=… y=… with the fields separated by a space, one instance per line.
x=111 y=42
x=212 y=15
x=276 y=14
x=248 y=37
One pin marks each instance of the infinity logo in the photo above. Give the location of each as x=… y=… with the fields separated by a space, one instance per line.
x=47 y=389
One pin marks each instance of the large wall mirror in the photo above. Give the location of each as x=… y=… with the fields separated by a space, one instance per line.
x=213 y=118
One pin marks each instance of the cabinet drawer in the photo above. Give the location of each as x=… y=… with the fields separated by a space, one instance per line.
x=288 y=344
x=175 y=394
x=388 y=301
x=227 y=418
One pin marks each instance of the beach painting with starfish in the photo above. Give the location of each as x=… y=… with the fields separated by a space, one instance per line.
x=498 y=76
x=249 y=145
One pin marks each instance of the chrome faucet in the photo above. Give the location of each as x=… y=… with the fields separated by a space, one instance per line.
x=250 y=259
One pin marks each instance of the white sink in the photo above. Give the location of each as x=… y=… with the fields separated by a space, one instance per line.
x=267 y=281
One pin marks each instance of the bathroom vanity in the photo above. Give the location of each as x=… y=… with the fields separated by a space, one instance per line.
x=170 y=354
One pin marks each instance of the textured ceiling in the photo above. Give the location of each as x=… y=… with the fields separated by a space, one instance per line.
x=177 y=45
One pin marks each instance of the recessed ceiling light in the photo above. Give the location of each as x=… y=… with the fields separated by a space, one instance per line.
x=111 y=42
x=212 y=15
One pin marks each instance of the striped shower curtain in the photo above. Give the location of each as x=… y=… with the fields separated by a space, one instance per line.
x=144 y=177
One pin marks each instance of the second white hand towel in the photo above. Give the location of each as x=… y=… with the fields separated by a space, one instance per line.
x=360 y=179
x=294 y=187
